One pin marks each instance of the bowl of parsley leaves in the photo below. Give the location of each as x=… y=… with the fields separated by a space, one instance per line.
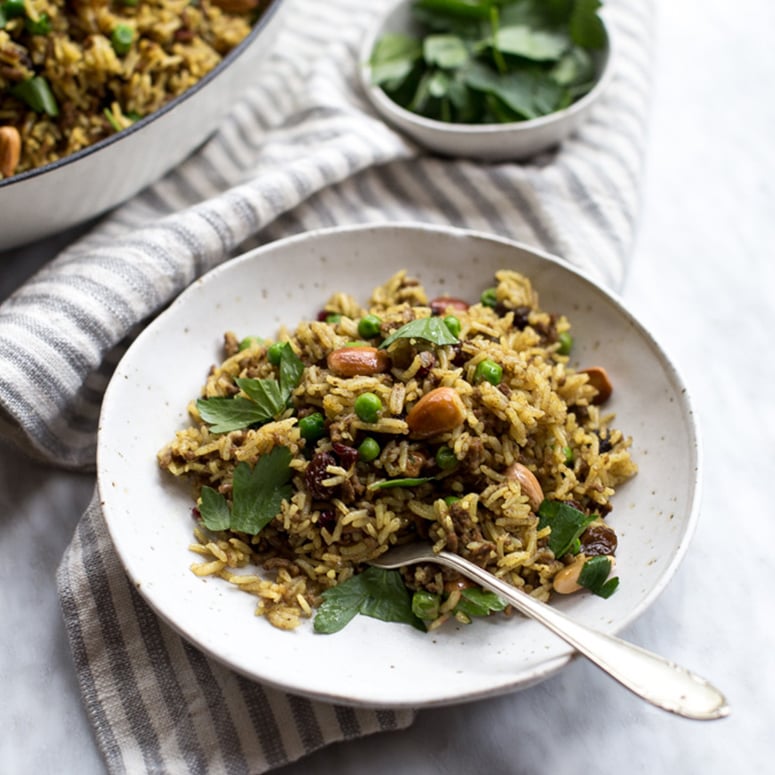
x=494 y=80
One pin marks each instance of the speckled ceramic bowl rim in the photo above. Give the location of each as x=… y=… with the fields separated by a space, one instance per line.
x=125 y=463
x=137 y=126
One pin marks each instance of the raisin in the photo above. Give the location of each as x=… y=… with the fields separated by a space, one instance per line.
x=316 y=473
x=347 y=455
x=598 y=539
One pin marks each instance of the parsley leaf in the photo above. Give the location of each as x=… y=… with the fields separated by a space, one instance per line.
x=594 y=574
x=257 y=494
x=567 y=525
x=376 y=592
x=432 y=329
x=266 y=398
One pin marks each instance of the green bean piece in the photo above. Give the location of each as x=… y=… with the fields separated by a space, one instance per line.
x=488 y=371
x=312 y=427
x=369 y=450
x=453 y=324
x=368 y=406
x=121 y=38
x=369 y=326
x=566 y=343
x=37 y=94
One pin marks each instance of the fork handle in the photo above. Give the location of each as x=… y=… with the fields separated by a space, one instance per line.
x=650 y=676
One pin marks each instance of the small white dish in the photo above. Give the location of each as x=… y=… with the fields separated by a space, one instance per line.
x=373 y=663
x=487 y=142
x=85 y=184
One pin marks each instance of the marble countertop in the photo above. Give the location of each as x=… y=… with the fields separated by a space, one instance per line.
x=703 y=280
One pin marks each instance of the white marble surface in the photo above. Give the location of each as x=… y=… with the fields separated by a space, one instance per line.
x=703 y=280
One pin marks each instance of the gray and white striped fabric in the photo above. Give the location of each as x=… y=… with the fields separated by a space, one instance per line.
x=301 y=151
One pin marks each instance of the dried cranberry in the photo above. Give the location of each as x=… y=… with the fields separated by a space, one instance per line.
x=347 y=455
x=195 y=513
x=316 y=473
x=458 y=356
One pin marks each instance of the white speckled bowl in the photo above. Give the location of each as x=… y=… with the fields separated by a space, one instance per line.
x=487 y=142
x=371 y=662
x=43 y=201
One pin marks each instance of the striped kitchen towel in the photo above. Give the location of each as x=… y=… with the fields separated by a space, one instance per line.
x=301 y=151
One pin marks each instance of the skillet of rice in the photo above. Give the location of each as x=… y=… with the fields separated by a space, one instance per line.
x=536 y=434
x=74 y=73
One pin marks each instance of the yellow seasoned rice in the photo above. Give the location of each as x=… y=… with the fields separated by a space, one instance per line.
x=98 y=85
x=542 y=416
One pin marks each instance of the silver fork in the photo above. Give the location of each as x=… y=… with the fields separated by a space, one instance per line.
x=650 y=676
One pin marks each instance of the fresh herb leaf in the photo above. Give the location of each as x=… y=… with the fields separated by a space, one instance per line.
x=479 y=602
x=266 y=398
x=257 y=494
x=447 y=70
x=432 y=329
x=376 y=592
x=229 y=414
x=594 y=576
x=446 y=51
x=537 y=45
x=567 y=524
x=393 y=58
x=388 y=484
x=291 y=369
x=214 y=509
x=586 y=27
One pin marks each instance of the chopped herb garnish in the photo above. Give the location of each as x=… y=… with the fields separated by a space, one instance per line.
x=387 y=484
x=257 y=493
x=594 y=576
x=567 y=524
x=376 y=592
x=266 y=398
x=432 y=329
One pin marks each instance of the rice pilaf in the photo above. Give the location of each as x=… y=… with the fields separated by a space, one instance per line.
x=73 y=73
x=468 y=442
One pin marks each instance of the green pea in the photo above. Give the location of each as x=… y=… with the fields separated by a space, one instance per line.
x=450 y=499
x=250 y=341
x=121 y=38
x=566 y=343
x=445 y=458
x=489 y=297
x=488 y=371
x=453 y=324
x=334 y=317
x=425 y=605
x=313 y=426
x=368 y=450
x=569 y=456
x=368 y=406
x=275 y=352
x=369 y=326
